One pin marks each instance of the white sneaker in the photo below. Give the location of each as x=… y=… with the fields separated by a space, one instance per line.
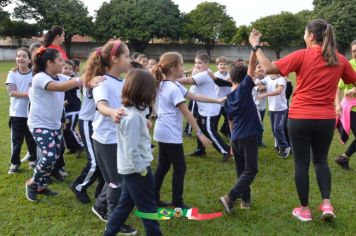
x=26 y=157
x=13 y=169
x=63 y=172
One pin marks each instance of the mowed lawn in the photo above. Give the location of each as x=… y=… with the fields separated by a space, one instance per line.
x=273 y=195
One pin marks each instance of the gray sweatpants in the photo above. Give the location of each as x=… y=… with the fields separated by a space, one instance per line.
x=107 y=162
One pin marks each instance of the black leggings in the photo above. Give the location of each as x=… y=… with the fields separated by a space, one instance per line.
x=311 y=138
x=352 y=148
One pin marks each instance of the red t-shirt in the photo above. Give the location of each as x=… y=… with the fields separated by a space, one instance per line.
x=60 y=49
x=314 y=95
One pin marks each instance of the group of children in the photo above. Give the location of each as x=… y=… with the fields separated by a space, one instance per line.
x=114 y=129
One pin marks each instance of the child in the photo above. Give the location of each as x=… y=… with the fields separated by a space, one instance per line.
x=222 y=73
x=277 y=106
x=143 y=60
x=244 y=122
x=134 y=154
x=44 y=120
x=171 y=106
x=71 y=137
x=76 y=68
x=208 y=113
x=151 y=63
x=260 y=103
x=18 y=83
x=110 y=62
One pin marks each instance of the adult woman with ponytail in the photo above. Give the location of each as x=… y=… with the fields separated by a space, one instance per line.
x=54 y=38
x=312 y=114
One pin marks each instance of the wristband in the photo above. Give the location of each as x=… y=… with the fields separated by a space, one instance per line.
x=199 y=133
x=255 y=48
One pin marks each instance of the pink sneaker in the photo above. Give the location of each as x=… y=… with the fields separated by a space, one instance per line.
x=303 y=215
x=327 y=212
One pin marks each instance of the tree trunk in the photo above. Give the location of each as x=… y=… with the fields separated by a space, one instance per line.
x=67 y=44
x=278 y=53
x=209 y=46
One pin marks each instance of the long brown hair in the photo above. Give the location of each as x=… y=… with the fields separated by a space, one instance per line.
x=99 y=61
x=139 y=89
x=324 y=35
x=51 y=34
x=29 y=57
x=166 y=62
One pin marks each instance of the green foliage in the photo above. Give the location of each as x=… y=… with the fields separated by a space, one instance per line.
x=19 y=30
x=71 y=14
x=281 y=30
x=342 y=15
x=138 y=21
x=241 y=36
x=209 y=23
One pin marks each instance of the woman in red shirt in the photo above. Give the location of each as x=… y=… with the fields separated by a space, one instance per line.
x=54 y=38
x=312 y=114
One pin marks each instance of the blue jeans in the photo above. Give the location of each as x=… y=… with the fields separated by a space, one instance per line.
x=136 y=191
x=277 y=123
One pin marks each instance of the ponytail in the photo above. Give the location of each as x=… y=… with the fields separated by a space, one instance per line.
x=42 y=56
x=324 y=35
x=157 y=73
x=51 y=34
x=99 y=61
x=166 y=62
x=329 y=47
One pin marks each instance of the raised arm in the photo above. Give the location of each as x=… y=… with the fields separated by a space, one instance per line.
x=202 y=98
x=267 y=65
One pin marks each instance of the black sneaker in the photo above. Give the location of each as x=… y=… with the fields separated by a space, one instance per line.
x=47 y=192
x=58 y=176
x=227 y=203
x=284 y=153
x=100 y=212
x=127 y=230
x=31 y=191
x=163 y=204
x=343 y=162
x=82 y=196
x=183 y=206
x=198 y=153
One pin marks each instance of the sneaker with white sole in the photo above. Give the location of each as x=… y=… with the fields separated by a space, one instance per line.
x=227 y=203
x=302 y=214
x=31 y=191
x=13 y=169
x=100 y=212
x=127 y=230
x=327 y=212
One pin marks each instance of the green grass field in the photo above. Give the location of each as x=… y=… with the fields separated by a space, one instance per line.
x=273 y=195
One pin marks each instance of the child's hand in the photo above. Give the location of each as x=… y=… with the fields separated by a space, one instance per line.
x=338 y=110
x=254 y=38
x=149 y=124
x=96 y=81
x=65 y=103
x=117 y=114
x=261 y=96
x=221 y=100
x=206 y=142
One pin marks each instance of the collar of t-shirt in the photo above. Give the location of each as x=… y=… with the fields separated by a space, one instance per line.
x=114 y=77
x=18 y=71
x=54 y=78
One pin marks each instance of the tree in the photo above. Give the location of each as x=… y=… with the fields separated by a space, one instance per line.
x=241 y=36
x=281 y=30
x=19 y=30
x=138 y=21
x=342 y=15
x=71 y=14
x=209 y=23
x=304 y=17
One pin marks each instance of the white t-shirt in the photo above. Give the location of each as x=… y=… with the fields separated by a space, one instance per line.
x=260 y=103
x=279 y=102
x=104 y=128
x=222 y=91
x=206 y=86
x=88 y=108
x=19 y=105
x=46 y=107
x=169 y=123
